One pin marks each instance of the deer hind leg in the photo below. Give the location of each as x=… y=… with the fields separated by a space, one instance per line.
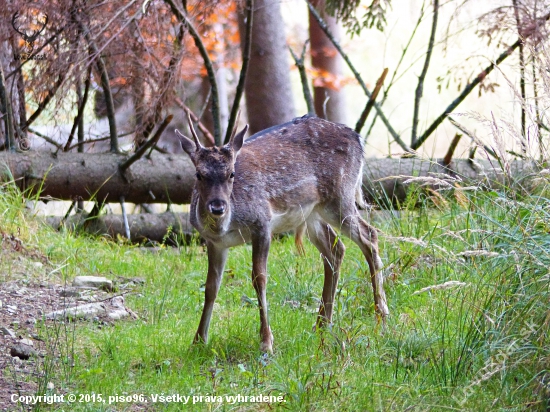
x=332 y=252
x=260 y=252
x=298 y=239
x=364 y=235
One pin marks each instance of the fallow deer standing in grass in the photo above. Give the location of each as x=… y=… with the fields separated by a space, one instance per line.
x=304 y=175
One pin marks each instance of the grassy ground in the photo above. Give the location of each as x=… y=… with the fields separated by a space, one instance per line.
x=467 y=285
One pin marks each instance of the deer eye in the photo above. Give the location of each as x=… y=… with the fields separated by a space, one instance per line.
x=232 y=175
x=198 y=175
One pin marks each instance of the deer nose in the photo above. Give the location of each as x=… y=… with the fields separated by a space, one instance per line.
x=217 y=207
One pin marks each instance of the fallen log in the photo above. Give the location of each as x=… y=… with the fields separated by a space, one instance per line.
x=160 y=227
x=387 y=181
x=170 y=178
x=97 y=176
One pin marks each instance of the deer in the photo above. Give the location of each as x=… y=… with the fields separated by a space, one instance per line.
x=303 y=176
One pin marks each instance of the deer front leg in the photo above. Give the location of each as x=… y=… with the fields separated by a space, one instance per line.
x=260 y=252
x=216 y=263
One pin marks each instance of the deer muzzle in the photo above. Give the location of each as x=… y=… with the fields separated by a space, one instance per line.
x=217 y=207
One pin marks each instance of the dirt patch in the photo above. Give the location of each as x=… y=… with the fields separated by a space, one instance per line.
x=29 y=294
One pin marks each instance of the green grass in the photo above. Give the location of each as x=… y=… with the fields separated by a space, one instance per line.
x=479 y=346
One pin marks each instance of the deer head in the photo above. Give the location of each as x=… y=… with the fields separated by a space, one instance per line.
x=215 y=170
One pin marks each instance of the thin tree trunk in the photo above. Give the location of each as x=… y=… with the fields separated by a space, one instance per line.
x=105 y=85
x=522 y=79
x=9 y=95
x=6 y=113
x=330 y=103
x=269 y=99
x=246 y=44
x=22 y=109
x=221 y=76
x=422 y=77
x=80 y=133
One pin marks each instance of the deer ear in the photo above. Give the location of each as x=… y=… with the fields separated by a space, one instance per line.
x=237 y=140
x=187 y=145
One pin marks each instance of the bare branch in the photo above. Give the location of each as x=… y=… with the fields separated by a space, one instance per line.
x=164 y=87
x=141 y=151
x=82 y=104
x=475 y=82
x=422 y=77
x=371 y=101
x=394 y=78
x=244 y=69
x=473 y=137
x=105 y=85
x=35 y=53
x=195 y=119
x=299 y=61
x=383 y=117
x=101 y=139
x=207 y=64
x=46 y=138
x=105 y=25
x=452 y=147
x=42 y=105
x=125 y=218
x=464 y=94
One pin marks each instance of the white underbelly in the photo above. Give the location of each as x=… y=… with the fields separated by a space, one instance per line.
x=285 y=221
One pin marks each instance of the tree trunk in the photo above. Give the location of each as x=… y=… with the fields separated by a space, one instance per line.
x=170 y=178
x=8 y=40
x=269 y=99
x=329 y=102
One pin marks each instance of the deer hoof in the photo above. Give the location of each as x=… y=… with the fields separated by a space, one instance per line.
x=382 y=310
x=267 y=344
x=378 y=263
x=322 y=324
x=266 y=347
x=199 y=340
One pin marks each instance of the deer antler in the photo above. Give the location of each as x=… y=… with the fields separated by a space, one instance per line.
x=193 y=132
x=234 y=131
x=13 y=20
x=35 y=33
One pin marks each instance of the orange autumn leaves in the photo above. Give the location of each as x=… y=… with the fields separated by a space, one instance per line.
x=325 y=78
x=154 y=39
